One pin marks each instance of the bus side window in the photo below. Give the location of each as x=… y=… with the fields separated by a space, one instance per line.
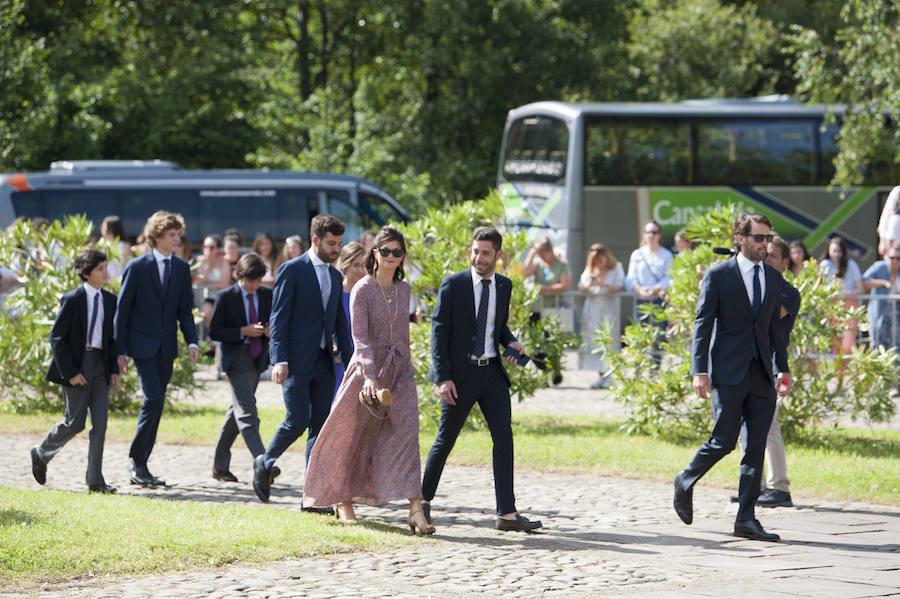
x=95 y=204
x=136 y=206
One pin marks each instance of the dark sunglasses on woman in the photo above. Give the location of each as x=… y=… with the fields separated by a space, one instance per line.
x=387 y=252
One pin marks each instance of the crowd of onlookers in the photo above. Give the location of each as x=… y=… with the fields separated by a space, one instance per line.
x=647 y=279
x=602 y=282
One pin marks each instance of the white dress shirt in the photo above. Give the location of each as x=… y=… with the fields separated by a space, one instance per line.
x=489 y=351
x=746 y=267
x=157 y=255
x=96 y=340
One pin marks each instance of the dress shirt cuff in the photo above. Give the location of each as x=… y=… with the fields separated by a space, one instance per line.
x=190 y=345
x=280 y=363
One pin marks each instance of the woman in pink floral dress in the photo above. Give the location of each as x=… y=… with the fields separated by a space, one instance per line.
x=371 y=454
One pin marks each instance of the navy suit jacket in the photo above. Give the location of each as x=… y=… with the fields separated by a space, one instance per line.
x=145 y=318
x=68 y=337
x=724 y=303
x=453 y=326
x=298 y=319
x=229 y=316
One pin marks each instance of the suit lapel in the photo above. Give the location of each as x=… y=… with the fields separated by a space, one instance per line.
x=81 y=303
x=469 y=297
x=741 y=289
x=314 y=283
x=239 y=292
x=154 y=275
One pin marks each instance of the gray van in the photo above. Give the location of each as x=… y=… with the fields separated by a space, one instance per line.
x=280 y=203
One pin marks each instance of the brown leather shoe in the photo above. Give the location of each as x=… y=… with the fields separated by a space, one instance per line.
x=520 y=524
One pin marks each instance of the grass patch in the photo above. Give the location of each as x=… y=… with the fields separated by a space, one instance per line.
x=843 y=464
x=180 y=424
x=52 y=536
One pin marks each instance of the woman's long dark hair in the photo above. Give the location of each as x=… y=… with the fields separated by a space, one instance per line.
x=386 y=234
x=842 y=265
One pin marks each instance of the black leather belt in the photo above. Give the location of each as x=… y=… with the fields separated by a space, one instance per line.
x=483 y=361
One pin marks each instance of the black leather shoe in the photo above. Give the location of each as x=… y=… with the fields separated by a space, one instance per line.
x=224 y=475
x=38 y=468
x=520 y=524
x=141 y=476
x=775 y=498
x=752 y=529
x=734 y=498
x=261 y=478
x=324 y=511
x=684 y=501
x=426 y=509
x=103 y=489
x=273 y=474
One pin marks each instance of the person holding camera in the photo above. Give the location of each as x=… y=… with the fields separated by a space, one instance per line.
x=368 y=449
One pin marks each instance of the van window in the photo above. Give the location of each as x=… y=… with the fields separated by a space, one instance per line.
x=378 y=212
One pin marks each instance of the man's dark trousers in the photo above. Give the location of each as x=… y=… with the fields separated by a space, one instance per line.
x=154 y=374
x=487 y=386
x=307 y=402
x=93 y=396
x=242 y=416
x=752 y=400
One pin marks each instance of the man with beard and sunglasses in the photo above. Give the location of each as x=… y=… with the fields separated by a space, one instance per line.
x=740 y=299
x=307 y=316
x=468 y=326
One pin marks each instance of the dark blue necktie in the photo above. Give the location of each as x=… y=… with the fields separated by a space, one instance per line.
x=90 y=336
x=757 y=300
x=481 y=321
x=167 y=272
x=757 y=292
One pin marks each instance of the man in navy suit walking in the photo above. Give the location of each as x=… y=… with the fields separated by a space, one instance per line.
x=468 y=326
x=741 y=299
x=155 y=296
x=307 y=316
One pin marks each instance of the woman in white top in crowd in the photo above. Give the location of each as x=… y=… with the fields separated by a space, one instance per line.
x=113 y=230
x=837 y=263
x=214 y=271
x=648 y=274
x=602 y=279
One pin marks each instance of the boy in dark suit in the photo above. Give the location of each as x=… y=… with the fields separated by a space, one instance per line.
x=240 y=320
x=84 y=363
x=154 y=297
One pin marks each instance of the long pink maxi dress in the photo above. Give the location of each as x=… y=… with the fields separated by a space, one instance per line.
x=360 y=456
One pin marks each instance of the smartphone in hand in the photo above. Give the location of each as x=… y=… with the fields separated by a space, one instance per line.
x=521 y=359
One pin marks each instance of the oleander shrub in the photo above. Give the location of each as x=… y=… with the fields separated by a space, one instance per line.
x=42 y=260
x=825 y=387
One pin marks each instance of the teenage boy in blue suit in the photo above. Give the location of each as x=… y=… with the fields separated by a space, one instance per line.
x=155 y=296
x=84 y=363
x=307 y=317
